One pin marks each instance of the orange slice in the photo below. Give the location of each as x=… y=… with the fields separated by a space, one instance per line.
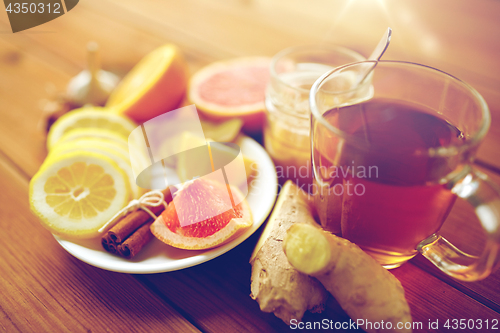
x=155 y=85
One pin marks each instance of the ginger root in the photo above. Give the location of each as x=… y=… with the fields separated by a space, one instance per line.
x=364 y=289
x=276 y=285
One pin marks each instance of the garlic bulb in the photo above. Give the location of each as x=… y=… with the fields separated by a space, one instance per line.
x=92 y=85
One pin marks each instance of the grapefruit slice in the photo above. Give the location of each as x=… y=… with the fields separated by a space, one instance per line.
x=155 y=85
x=232 y=88
x=200 y=198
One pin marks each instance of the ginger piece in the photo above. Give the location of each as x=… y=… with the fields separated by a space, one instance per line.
x=276 y=285
x=365 y=290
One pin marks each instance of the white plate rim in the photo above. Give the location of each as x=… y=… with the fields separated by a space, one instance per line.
x=266 y=173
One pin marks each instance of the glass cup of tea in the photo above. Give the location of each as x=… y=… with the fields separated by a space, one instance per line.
x=390 y=157
x=286 y=131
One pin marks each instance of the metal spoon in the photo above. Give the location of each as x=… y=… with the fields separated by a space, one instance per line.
x=367 y=69
x=376 y=55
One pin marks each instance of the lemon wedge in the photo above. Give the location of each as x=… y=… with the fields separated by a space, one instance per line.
x=78 y=192
x=191 y=166
x=225 y=131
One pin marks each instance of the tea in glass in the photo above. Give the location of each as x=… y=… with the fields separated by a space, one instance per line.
x=392 y=154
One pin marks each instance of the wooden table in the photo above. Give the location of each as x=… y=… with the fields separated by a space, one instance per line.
x=45 y=289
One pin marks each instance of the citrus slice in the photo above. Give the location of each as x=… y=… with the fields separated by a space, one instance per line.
x=196 y=199
x=190 y=166
x=78 y=193
x=155 y=85
x=93 y=117
x=232 y=88
x=118 y=148
x=91 y=133
x=103 y=148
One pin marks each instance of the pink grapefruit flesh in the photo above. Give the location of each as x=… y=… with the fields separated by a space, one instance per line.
x=202 y=198
x=232 y=88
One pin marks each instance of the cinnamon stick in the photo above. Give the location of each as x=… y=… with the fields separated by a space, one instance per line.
x=112 y=247
x=130 y=223
x=132 y=232
x=132 y=245
x=105 y=241
x=134 y=220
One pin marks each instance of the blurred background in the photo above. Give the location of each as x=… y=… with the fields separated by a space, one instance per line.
x=461 y=37
x=446 y=33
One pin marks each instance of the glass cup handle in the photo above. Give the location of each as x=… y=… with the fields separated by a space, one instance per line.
x=484 y=195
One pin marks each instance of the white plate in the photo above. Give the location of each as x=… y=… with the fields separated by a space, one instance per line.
x=158 y=257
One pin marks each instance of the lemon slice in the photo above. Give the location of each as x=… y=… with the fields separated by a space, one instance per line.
x=91 y=133
x=103 y=148
x=93 y=117
x=77 y=193
x=118 y=148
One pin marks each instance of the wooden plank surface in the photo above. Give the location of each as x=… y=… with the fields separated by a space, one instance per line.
x=45 y=289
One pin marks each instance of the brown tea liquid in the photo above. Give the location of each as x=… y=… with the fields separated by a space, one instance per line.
x=385 y=191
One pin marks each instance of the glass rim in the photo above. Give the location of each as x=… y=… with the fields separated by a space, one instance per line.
x=309 y=47
x=452 y=149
